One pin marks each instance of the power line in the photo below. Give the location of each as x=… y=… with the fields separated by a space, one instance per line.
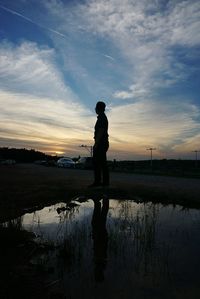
x=151 y=149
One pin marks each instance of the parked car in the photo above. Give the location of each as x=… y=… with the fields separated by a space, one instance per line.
x=66 y=163
x=8 y=162
x=84 y=163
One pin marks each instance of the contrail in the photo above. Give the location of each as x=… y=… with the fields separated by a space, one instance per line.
x=31 y=21
x=109 y=57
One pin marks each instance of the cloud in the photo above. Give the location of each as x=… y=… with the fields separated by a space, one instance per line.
x=84 y=54
x=150 y=123
x=40 y=121
x=184 y=22
x=146 y=33
x=135 y=92
x=36 y=106
x=143 y=61
x=188 y=145
x=144 y=21
x=57 y=126
x=123 y=95
x=30 y=69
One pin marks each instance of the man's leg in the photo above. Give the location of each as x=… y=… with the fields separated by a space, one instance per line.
x=97 y=166
x=105 y=170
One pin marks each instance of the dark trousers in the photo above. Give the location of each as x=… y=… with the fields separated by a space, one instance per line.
x=100 y=165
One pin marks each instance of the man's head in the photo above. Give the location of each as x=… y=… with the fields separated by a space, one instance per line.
x=100 y=107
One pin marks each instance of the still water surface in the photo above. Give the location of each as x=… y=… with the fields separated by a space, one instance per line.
x=119 y=249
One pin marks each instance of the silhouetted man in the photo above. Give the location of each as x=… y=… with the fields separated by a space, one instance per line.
x=101 y=145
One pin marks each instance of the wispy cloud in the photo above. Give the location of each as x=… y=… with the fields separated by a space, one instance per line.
x=188 y=145
x=146 y=34
x=135 y=91
x=137 y=55
x=36 y=106
x=43 y=121
x=151 y=123
x=30 y=69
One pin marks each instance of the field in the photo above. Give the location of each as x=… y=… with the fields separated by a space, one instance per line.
x=27 y=186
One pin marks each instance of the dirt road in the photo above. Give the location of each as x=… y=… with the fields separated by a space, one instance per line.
x=24 y=186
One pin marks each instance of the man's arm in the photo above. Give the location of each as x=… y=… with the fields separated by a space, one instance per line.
x=99 y=137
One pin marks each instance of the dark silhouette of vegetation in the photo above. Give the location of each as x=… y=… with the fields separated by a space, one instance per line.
x=171 y=167
x=23 y=155
x=161 y=167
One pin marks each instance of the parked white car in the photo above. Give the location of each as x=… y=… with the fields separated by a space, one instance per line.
x=66 y=163
x=84 y=163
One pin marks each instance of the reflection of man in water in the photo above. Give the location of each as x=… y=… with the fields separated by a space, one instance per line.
x=100 y=237
x=100 y=147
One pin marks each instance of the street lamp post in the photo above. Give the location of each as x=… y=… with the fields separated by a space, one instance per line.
x=196 y=157
x=89 y=148
x=151 y=149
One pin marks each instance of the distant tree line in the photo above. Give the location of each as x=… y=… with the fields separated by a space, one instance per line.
x=23 y=155
x=160 y=166
x=157 y=164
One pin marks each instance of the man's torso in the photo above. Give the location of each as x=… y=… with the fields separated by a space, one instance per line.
x=101 y=123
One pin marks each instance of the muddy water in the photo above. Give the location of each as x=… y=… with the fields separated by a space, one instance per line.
x=118 y=249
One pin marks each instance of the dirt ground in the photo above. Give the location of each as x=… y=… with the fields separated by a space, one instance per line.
x=27 y=186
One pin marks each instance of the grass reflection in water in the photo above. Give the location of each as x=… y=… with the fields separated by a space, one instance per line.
x=105 y=248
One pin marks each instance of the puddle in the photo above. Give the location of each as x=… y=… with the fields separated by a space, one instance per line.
x=118 y=249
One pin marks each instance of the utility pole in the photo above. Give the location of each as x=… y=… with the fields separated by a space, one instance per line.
x=196 y=157
x=88 y=148
x=151 y=149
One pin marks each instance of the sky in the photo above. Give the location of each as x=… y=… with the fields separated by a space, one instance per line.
x=141 y=57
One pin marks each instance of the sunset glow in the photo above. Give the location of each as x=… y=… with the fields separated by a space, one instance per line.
x=58 y=58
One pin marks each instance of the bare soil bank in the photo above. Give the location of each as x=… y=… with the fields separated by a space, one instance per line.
x=26 y=186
